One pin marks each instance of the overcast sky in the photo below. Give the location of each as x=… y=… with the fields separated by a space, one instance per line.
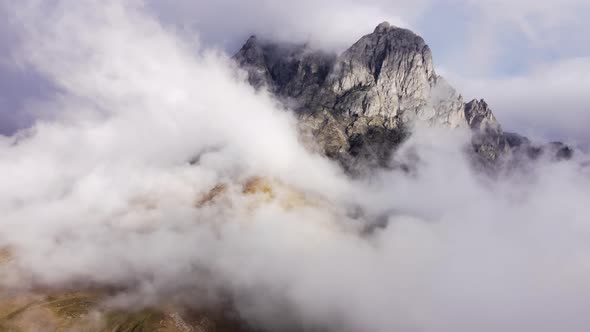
x=529 y=59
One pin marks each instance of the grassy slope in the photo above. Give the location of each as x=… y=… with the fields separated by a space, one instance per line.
x=82 y=311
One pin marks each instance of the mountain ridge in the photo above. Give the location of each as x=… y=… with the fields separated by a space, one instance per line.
x=359 y=105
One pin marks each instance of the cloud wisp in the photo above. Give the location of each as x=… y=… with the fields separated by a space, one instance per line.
x=164 y=174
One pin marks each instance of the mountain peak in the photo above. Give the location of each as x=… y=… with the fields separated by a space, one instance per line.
x=358 y=105
x=251 y=40
x=382 y=27
x=392 y=63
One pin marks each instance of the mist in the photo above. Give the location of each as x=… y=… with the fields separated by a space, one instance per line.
x=161 y=173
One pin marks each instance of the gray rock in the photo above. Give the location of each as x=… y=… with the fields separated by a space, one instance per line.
x=494 y=147
x=287 y=70
x=389 y=74
x=480 y=117
x=489 y=142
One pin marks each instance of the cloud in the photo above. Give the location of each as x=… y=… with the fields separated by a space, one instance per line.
x=548 y=102
x=327 y=24
x=492 y=31
x=115 y=190
x=526 y=58
x=528 y=32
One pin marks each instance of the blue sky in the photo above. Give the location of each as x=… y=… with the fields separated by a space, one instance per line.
x=529 y=59
x=515 y=44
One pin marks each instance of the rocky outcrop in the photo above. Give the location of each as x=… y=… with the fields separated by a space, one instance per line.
x=287 y=70
x=493 y=145
x=489 y=142
x=358 y=106
x=389 y=74
x=522 y=147
x=480 y=117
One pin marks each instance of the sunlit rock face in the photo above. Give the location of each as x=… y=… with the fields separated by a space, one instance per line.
x=389 y=74
x=288 y=70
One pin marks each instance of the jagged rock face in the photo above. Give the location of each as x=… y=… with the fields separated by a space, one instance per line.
x=386 y=74
x=490 y=147
x=287 y=70
x=383 y=74
x=479 y=116
x=489 y=141
x=389 y=73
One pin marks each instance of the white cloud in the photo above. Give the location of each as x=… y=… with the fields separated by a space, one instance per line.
x=103 y=194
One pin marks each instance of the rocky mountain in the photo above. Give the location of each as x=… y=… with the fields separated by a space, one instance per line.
x=359 y=105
